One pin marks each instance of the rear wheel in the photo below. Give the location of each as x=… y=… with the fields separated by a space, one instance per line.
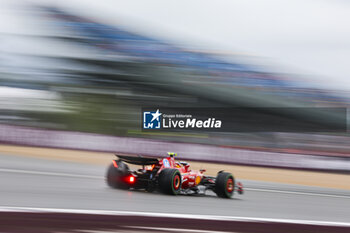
x=224 y=185
x=170 y=181
x=116 y=175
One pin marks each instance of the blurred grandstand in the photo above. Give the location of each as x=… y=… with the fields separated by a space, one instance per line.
x=105 y=74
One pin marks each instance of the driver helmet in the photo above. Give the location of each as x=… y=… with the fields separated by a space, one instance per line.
x=172 y=154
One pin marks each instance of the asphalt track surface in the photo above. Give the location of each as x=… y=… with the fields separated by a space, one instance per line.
x=40 y=183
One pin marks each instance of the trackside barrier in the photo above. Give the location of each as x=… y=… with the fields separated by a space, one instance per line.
x=94 y=142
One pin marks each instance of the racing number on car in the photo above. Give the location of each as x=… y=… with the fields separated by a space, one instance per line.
x=166 y=163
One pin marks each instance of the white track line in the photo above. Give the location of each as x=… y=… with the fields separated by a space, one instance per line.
x=48 y=173
x=100 y=177
x=170 y=215
x=176 y=230
x=298 y=193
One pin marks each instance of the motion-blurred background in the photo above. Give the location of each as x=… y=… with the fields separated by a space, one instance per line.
x=89 y=66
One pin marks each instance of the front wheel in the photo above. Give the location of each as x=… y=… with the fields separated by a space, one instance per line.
x=224 y=185
x=170 y=181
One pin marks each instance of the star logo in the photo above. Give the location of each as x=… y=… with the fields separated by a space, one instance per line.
x=156 y=115
x=152 y=120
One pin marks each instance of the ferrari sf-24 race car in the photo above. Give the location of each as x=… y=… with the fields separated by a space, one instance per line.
x=168 y=176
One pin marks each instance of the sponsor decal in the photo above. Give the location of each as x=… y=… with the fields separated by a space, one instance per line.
x=166 y=163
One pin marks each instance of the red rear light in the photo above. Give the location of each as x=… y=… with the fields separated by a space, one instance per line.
x=115 y=164
x=131 y=179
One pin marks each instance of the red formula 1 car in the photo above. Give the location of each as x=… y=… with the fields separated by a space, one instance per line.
x=169 y=176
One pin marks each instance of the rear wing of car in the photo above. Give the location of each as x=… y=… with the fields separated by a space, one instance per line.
x=137 y=160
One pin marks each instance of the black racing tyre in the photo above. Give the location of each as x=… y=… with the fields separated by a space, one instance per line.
x=170 y=181
x=115 y=176
x=224 y=185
